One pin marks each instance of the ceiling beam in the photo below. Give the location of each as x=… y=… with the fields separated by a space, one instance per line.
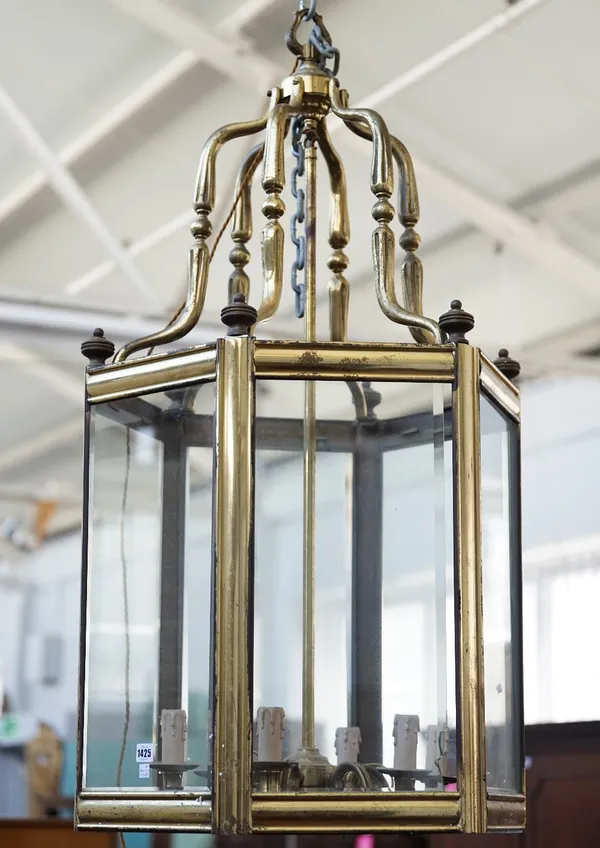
x=129 y=107
x=451 y=51
x=537 y=242
x=66 y=386
x=46 y=320
x=29 y=450
x=71 y=193
x=229 y=54
x=102 y=129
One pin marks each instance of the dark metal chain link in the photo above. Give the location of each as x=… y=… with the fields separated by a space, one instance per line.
x=310 y=6
x=298 y=216
x=318 y=39
x=325 y=50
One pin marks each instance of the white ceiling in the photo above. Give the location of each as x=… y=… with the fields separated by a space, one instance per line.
x=505 y=135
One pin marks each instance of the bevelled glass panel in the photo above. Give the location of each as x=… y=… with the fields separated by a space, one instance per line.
x=383 y=603
x=501 y=606
x=148 y=590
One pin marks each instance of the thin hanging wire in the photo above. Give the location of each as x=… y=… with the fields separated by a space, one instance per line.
x=219 y=236
x=125 y=589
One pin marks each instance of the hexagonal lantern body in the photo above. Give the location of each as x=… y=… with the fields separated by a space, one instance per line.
x=302 y=588
x=195 y=615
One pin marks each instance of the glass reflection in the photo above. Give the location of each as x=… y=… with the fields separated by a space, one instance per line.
x=384 y=633
x=149 y=528
x=500 y=573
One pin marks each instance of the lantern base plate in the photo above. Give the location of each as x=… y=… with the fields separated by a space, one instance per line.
x=314 y=767
x=277 y=776
x=172 y=773
x=404 y=779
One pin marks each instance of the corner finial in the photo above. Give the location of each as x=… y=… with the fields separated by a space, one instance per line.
x=97 y=349
x=507 y=365
x=456 y=323
x=239 y=316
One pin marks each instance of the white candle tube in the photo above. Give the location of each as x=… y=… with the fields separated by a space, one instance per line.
x=173 y=729
x=432 y=747
x=347 y=744
x=270 y=722
x=406 y=732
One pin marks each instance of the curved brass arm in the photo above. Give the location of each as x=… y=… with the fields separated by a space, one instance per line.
x=204 y=197
x=383 y=261
x=197 y=280
x=204 y=201
x=423 y=330
x=408 y=195
x=382 y=174
x=339 y=218
x=241 y=228
x=272 y=236
x=339 y=236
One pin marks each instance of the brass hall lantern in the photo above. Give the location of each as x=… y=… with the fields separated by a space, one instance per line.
x=301 y=589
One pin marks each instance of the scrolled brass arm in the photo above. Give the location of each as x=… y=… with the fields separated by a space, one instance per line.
x=199 y=258
x=204 y=196
x=339 y=236
x=273 y=182
x=382 y=173
x=241 y=228
x=368 y=125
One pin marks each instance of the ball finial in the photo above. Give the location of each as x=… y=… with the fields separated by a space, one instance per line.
x=97 y=349
x=456 y=323
x=239 y=316
x=507 y=365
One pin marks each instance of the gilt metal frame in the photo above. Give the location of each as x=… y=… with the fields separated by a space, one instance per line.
x=235 y=363
x=305 y=99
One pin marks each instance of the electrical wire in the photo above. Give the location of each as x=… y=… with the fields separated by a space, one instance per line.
x=248 y=176
x=122 y=529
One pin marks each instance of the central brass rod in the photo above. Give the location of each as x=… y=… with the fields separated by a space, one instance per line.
x=308 y=590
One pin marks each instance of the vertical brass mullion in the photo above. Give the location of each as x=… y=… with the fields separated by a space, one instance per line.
x=470 y=671
x=233 y=569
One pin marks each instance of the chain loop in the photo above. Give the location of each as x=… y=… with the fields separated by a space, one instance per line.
x=298 y=216
x=319 y=37
x=310 y=9
x=325 y=49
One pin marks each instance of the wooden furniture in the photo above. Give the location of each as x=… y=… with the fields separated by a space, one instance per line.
x=563 y=792
x=43 y=760
x=50 y=833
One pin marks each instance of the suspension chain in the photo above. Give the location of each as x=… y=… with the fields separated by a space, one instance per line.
x=298 y=216
x=310 y=7
x=320 y=38
x=325 y=50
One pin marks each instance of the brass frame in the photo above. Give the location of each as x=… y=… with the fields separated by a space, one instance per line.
x=236 y=362
x=190 y=811
x=500 y=389
x=152 y=373
x=309 y=94
x=233 y=552
x=469 y=590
